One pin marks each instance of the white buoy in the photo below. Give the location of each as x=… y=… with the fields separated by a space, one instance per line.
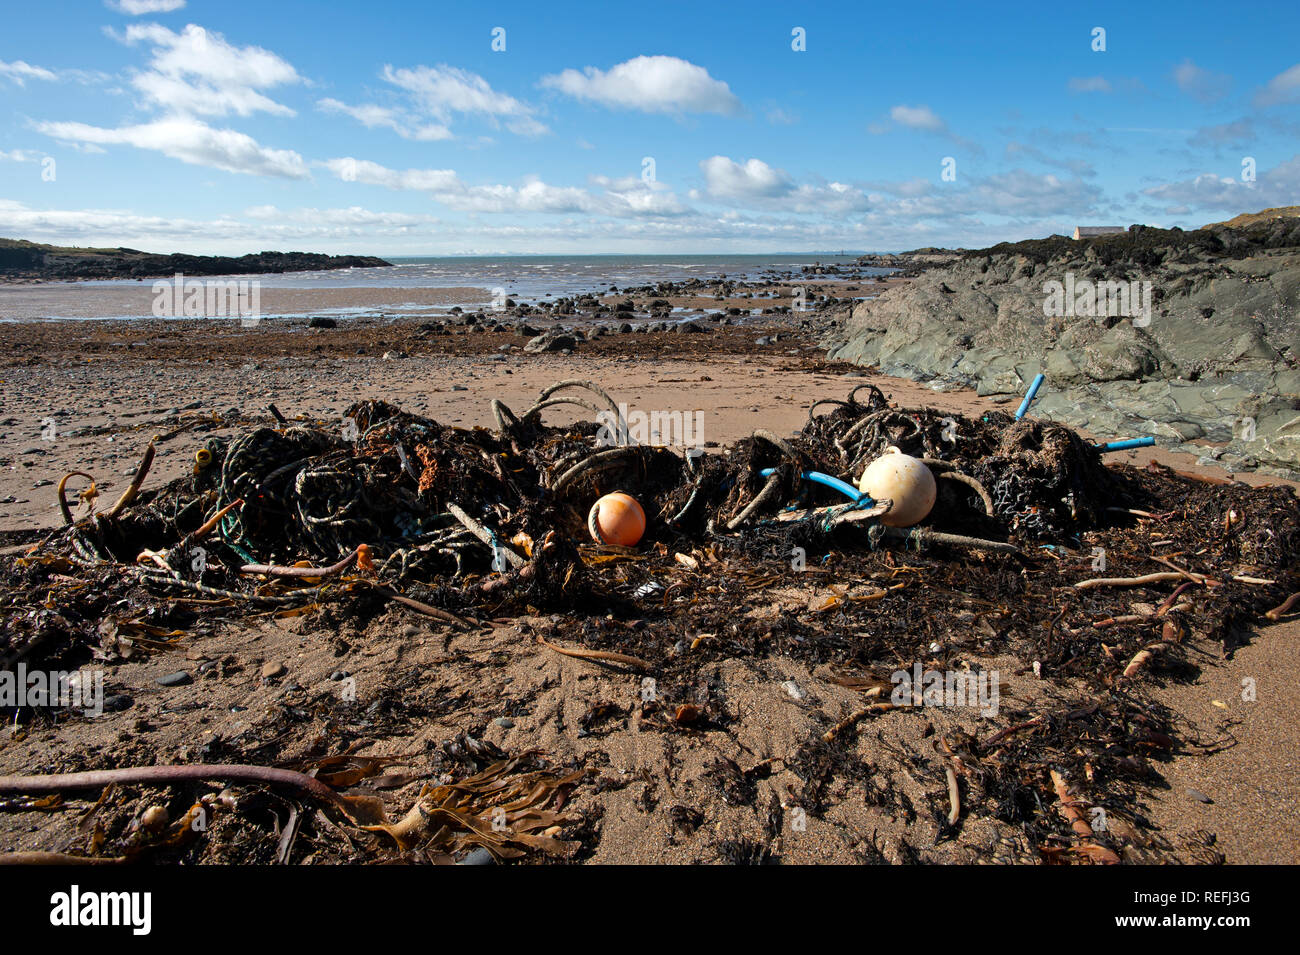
x=903 y=479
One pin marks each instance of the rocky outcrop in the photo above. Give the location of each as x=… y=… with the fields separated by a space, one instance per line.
x=29 y=260
x=1212 y=366
x=911 y=263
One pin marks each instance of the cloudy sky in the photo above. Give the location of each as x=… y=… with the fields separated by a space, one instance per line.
x=431 y=128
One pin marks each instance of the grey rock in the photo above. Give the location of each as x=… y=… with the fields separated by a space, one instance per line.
x=551 y=343
x=1220 y=346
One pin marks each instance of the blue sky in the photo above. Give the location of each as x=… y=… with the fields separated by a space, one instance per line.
x=396 y=127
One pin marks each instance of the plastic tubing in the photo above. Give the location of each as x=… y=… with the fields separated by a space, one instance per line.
x=1030 y=395
x=826 y=480
x=1126 y=445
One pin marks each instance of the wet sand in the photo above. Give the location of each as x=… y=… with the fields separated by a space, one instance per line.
x=69 y=300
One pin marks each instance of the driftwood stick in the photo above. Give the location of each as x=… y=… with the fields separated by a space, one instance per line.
x=486 y=536
x=169 y=775
x=1142 y=581
x=921 y=536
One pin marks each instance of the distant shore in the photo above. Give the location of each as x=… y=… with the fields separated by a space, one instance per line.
x=22 y=262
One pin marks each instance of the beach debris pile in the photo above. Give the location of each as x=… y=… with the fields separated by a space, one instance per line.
x=1033 y=547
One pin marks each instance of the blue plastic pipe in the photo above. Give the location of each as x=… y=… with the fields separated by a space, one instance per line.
x=826 y=480
x=1030 y=395
x=1126 y=445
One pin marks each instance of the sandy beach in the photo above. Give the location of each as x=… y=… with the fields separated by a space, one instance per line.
x=89 y=395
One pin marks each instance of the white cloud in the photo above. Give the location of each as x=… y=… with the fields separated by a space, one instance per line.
x=755 y=183
x=1239 y=132
x=926 y=120
x=1059 y=159
x=1278 y=186
x=1020 y=193
x=651 y=84
x=1089 y=84
x=533 y=196
x=917 y=117
x=203 y=99
x=353 y=217
x=725 y=178
x=442 y=91
x=190 y=141
x=1283 y=88
x=374 y=117
x=20 y=155
x=20 y=71
x=1017 y=193
x=1201 y=83
x=373 y=174
x=198 y=72
x=136 y=8
x=620 y=198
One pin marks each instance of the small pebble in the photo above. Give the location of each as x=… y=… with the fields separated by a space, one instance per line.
x=179 y=678
x=272 y=669
x=504 y=722
x=1199 y=796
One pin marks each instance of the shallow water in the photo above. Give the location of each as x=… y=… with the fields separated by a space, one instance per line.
x=471 y=280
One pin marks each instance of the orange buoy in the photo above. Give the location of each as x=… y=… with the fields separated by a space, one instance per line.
x=617 y=519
